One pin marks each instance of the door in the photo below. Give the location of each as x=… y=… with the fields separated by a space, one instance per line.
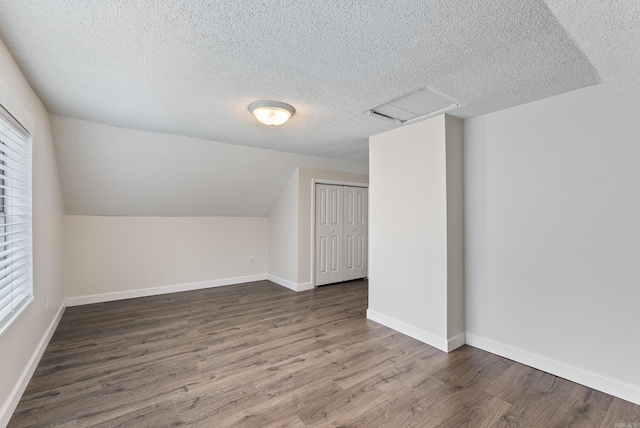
x=341 y=233
x=354 y=254
x=329 y=218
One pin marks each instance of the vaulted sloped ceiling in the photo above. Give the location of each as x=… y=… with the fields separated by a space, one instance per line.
x=190 y=68
x=114 y=171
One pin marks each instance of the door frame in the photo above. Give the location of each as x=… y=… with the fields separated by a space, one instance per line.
x=315 y=181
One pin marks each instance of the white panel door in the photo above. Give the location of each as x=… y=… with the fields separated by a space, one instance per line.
x=329 y=217
x=354 y=254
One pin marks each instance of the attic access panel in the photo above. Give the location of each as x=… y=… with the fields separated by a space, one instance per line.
x=415 y=106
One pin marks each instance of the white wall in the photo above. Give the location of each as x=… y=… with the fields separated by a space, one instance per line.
x=408 y=230
x=118 y=257
x=110 y=258
x=21 y=345
x=283 y=236
x=553 y=236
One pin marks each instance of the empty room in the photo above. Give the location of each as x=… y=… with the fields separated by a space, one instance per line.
x=319 y=213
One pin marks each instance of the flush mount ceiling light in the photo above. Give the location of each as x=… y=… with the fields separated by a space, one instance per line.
x=271 y=113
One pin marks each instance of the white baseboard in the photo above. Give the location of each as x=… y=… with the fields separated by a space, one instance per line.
x=305 y=286
x=592 y=380
x=280 y=281
x=16 y=394
x=290 y=285
x=456 y=341
x=143 y=292
x=409 y=330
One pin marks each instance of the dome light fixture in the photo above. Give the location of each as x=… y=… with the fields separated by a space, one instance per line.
x=271 y=113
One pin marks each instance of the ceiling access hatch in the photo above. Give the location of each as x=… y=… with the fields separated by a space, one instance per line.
x=416 y=106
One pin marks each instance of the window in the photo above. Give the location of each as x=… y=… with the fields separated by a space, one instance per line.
x=16 y=279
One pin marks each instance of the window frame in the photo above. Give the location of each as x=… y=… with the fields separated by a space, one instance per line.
x=16 y=219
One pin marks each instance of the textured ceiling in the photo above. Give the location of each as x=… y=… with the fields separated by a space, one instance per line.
x=191 y=68
x=608 y=32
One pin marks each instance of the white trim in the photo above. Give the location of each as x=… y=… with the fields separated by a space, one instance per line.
x=8 y=321
x=592 y=380
x=456 y=341
x=409 y=330
x=283 y=282
x=313 y=231
x=12 y=401
x=143 y=292
x=290 y=285
x=315 y=181
x=305 y=286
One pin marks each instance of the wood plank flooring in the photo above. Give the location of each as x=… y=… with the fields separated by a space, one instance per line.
x=259 y=355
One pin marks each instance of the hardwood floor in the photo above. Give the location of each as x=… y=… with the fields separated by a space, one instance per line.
x=259 y=355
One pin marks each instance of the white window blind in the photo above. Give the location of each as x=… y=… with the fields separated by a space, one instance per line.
x=16 y=278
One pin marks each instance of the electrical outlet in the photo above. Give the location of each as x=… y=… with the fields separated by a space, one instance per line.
x=251 y=259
